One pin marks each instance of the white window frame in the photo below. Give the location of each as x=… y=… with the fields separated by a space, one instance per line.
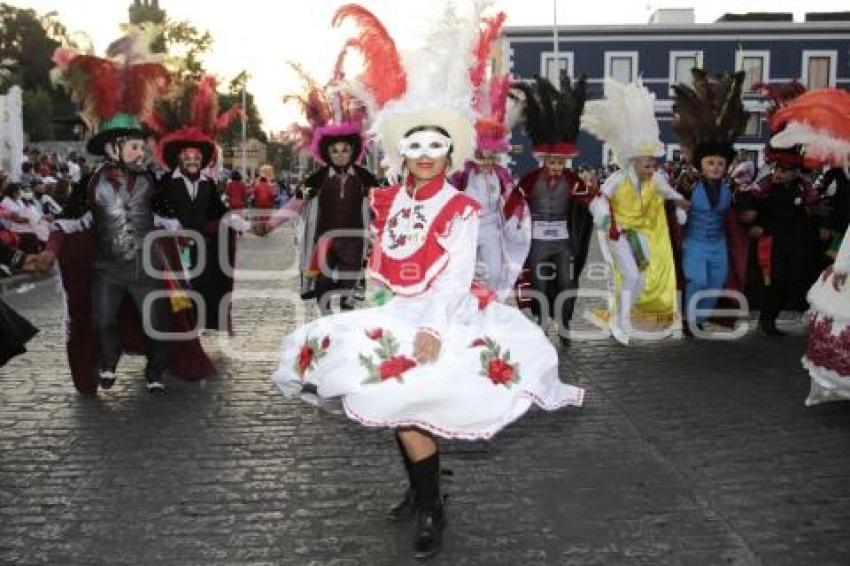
x=757 y=147
x=611 y=55
x=741 y=54
x=606 y=149
x=670 y=149
x=757 y=116
x=568 y=55
x=831 y=54
x=671 y=79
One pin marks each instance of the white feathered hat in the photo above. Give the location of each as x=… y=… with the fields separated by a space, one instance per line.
x=426 y=87
x=625 y=120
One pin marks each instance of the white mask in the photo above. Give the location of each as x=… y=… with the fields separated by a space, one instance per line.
x=425 y=143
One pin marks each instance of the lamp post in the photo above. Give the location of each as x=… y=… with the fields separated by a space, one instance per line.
x=244 y=124
x=555 y=33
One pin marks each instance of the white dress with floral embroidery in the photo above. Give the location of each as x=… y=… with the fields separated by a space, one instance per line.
x=827 y=356
x=493 y=362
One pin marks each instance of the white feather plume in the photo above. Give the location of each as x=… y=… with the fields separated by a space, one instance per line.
x=625 y=120
x=437 y=78
x=817 y=144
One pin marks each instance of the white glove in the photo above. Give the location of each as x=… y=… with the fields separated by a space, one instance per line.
x=170 y=224
x=236 y=222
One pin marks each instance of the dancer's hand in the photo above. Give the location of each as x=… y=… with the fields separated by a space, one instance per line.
x=261 y=228
x=45 y=260
x=426 y=347
x=756 y=232
x=31 y=263
x=838 y=280
x=825 y=234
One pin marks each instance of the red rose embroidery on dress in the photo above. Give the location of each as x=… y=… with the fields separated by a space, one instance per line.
x=375 y=333
x=394 y=367
x=496 y=364
x=500 y=372
x=310 y=353
x=305 y=358
x=389 y=363
x=828 y=350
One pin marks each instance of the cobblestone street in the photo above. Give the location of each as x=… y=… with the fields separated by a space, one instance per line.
x=686 y=452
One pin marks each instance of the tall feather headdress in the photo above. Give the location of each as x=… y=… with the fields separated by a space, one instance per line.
x=490 y=97
x=709 y=115
x=625 y=120
x=552 y=116
x=427 y=87
x=819 y=121
x=114 y=92
x=189 y=117
x=778 y=96
x=332 y=115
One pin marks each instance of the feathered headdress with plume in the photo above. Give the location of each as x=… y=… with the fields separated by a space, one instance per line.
x=552 y=117
x=625 y=120
x=490 y=97
x=778 y=97
x=114 y=92
x=709 y=115
x=428 y=87
x=189 y=117
x=332 y=115
x=819 y=121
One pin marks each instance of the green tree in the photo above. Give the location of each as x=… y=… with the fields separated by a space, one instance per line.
x=282 y=156
x=38 y=114
x=27 y=42
x=187 y=46
x=233 y=97
x=183 y=42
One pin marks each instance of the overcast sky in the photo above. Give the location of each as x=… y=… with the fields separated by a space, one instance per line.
x=261 y=35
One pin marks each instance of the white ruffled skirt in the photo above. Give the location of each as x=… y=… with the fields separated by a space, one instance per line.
x=827 y=357
x=493 y=365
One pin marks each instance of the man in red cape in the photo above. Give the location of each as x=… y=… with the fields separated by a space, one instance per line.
x=107 y=229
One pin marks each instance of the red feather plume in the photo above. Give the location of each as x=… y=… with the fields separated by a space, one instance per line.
x=95 y=84
x=492 y=29
x=384 y=74
x=145 y=83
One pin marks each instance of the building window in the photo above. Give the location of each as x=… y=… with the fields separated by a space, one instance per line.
x=819 y=68
x=621 y=65
x=681 y=63
x=552 y=66
x=753 y=124
x=674 y=152
x=756 y=66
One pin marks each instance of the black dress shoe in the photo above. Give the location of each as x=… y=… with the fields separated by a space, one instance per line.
x=156 y=388
x=405 y=509
x=107 y=379
x=430 y=522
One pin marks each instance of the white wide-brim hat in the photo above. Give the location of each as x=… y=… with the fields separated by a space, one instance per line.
x=393 y=125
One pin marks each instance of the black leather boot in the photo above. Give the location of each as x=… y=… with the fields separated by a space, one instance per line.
x=430 y=518
x=406 y=508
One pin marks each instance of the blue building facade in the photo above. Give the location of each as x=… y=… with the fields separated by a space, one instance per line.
x=815 y=53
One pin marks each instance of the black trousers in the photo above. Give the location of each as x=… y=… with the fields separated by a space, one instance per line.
x=345 y=257
x=109 y=289
x=551 y=264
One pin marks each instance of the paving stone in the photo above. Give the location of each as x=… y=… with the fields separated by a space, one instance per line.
x=687 y=452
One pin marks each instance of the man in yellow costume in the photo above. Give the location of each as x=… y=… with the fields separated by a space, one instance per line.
x=630 y=211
